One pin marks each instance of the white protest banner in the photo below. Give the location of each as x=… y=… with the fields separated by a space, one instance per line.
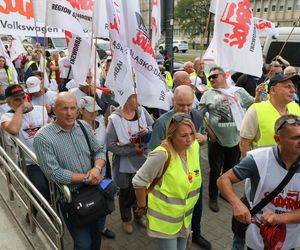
x=16 y=48
x=155 y=23
x=151 y=87
x=237 y=42
x=119 y=77
x=80 y=55
x=265 y=28
x=100 y=23
x=213 y=6
x=16 y=17
x=61 y=14
x=8 y=61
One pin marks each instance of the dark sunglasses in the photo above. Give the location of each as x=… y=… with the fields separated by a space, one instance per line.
x=213 y=76
x=181 y=117
x=291 y=121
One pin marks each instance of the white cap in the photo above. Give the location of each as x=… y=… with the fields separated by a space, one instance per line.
x=87 y=102
x=33 y=84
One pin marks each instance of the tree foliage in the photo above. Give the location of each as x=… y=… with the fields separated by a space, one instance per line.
x=191 y=16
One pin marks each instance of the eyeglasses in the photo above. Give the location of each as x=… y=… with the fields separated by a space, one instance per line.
x=181 y=117
x=292 y=121
x=213 y=76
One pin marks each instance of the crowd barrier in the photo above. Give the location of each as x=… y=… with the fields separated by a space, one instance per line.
x=12 y=161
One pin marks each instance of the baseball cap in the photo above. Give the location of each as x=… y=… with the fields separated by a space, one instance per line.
x=33 y=84
x=281 y=78
x=14 y=89
x=87 y=102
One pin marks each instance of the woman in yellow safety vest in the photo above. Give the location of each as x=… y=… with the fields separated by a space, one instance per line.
x=172 y=198
x=6 y=74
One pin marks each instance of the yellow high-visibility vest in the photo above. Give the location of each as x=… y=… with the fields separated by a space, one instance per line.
x=267 y=116
x=171 y=202
x=208 y=84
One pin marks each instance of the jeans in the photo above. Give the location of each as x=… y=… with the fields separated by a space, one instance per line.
x=38 y=179
x=238 y=243
x=86 y=237
x=196 y=218
x=220 y=160
x=173 y=244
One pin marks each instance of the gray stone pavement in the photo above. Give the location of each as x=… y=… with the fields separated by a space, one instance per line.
x=216 y=227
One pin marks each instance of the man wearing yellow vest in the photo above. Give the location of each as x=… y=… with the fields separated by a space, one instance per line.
x=257 y=128
x=55 y=73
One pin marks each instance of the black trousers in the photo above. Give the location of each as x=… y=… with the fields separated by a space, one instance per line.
x=220 y=160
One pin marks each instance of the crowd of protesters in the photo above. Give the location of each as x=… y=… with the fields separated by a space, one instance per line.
x=156 y=153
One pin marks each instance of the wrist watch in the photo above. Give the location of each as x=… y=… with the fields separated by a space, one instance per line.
x=84 y=180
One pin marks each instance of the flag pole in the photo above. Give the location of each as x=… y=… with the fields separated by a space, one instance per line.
x=205 y=34
x=282 y=48
x=134 y=91
x=95 y=78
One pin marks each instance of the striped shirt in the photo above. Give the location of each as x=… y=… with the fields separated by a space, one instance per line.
x=61 y=153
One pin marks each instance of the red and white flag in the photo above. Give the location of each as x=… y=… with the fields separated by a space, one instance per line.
x=155 y=23
x=61 y=14
x=265 y=28
x=119 y=77
x=151 y=87
x=237 y=42
x=80 y=55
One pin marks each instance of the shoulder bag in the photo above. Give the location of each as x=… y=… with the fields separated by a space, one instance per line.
x=89 y=203
x=238 y=228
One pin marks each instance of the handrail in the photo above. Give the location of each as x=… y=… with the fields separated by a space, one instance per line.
x=35 y=198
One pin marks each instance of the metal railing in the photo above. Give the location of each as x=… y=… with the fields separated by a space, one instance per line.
x=12 y=158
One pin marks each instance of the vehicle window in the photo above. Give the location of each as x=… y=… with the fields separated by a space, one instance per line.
x=185 y=42
x=291 y=52
x=59 y=42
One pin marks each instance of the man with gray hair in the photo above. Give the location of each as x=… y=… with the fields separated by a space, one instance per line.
x=64 y=156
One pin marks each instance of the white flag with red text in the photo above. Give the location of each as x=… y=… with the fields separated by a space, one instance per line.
x=100 y=24
x=8 y=61
x=155 y=23
x=16 y=48
x=151 y=87
x=265 y=28
x=74 y=18
x=237 y=41
x=80 y=55
x=119 y=77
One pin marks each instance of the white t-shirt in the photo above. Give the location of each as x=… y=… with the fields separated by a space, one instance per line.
x=32 y=122
x=48 y=98
x=64 y=67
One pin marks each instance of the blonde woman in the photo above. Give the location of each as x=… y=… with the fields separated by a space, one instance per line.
x=172 y=200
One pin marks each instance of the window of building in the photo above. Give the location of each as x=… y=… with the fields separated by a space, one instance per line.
x=273 y=7
x=289 y=8
x=289 y=4
x=281 y=8
x=265 y=9
x=258 y=10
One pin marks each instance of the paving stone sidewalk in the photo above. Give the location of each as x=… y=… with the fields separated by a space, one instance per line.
x=216 y=227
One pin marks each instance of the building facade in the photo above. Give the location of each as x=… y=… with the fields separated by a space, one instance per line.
x=281 y=12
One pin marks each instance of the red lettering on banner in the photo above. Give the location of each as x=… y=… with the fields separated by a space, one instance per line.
x=115 y=24
x=263 y=25
x=239 y=16
x=22 y=7
x=82 y=4
x=142 y=41
x=69 y=36
x=291 y=201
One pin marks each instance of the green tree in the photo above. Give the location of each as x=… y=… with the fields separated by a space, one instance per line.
x=191 y=16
